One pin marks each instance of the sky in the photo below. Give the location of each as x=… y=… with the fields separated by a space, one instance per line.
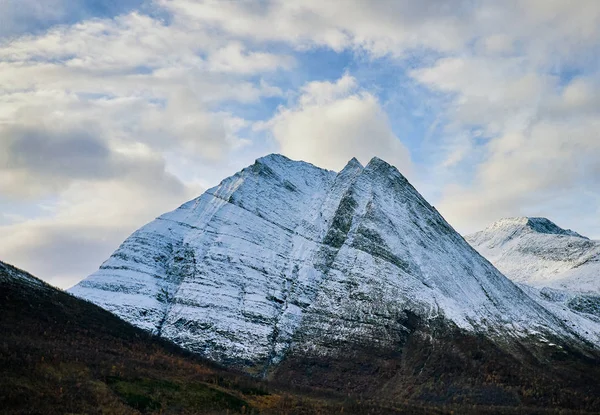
x=113 y=112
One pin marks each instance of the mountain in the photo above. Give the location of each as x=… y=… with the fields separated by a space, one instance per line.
x=538 y=252
x=62 y=355
x=347 y=281
x=559 y=267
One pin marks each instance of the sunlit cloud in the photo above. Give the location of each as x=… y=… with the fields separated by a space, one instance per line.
x=110 y=116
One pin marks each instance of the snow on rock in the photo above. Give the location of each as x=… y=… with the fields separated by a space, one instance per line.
x=287 y=255
x=562 y=265
x=537 y=252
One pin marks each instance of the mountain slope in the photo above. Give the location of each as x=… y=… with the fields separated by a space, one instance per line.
x=562 y=266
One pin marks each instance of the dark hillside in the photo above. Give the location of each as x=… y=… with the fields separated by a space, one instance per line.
x=59 y=354
x=439 y=364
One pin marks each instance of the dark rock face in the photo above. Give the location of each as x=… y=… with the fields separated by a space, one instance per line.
x=543 y=225
x=588 y=304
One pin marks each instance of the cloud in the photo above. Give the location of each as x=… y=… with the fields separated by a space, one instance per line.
x=134 y=80
x=54 y=158
x=234 y=59
x=522 y=118
x=110 y=115
x=523 y=171
x=43 y=152
x=531 y=139
x=381 y=28
x=331 y=122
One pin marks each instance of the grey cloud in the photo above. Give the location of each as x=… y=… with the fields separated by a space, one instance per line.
x=72 y=154
x=36 y=161
x=63 y=255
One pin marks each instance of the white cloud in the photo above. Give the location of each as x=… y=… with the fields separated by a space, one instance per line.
x=540 y=140
x=383 y=27
x=234 y=59
x=522 y=137
x=137 y=100
x=333 y=122
x=91 y=115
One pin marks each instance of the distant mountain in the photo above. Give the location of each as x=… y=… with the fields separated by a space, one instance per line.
x=348 y=281
x=538 y=252
x=562 y=265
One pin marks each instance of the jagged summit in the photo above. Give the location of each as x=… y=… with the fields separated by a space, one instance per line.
x=354 y=163
x=535 y=224
x=379 y=161
x=351 y=168
x=279 y=159
x=285 y=258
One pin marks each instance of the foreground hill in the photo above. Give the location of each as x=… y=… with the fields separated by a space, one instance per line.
x=60 y=354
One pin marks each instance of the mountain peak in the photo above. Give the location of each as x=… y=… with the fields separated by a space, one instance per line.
x=352 y=167
x=534 y=224
x=273 y=158
x=377 y=162
x=354 y=163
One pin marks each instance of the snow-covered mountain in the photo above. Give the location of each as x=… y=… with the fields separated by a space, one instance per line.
x=561 y=266
x=285 y=258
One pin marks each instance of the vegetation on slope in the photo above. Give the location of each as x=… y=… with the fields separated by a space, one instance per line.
x=59 y=354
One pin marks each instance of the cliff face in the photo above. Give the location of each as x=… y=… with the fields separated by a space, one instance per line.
x=287 y=259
